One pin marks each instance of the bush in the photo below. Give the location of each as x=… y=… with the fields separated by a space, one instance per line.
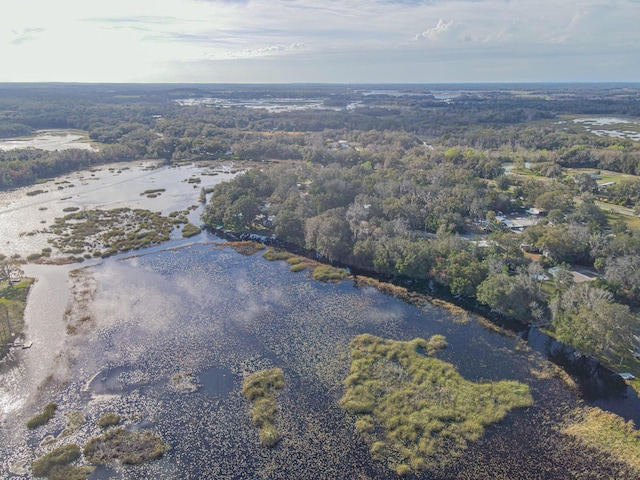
x=43 y=417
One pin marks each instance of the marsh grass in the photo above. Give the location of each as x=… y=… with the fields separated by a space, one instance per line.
x=107 y=232
x=606 y=432
x=43 y=417
x=417 y=412
x=246 y=248
x=392 y=290
x=109 y=419
x=190 y=230
x=58 y=457
x=259 y=388
x=272 y=255
x=327 y=273
x=129 y=447
x=320 y=271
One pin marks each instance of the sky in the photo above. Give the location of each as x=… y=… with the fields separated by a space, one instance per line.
x=332 y=41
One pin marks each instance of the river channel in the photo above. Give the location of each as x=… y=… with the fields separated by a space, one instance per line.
x=200 y=311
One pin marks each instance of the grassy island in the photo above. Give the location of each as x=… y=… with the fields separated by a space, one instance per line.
x=107 y=232
x=259 y=388
x=416 y=411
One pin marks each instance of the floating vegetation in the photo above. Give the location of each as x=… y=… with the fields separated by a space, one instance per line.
x=259 y=388
x=109 y=419
x=244 y=248
x=184 y=382
x=606 y=432
x=56 y=465
x=129 y=447
x=190 y=230
x=33 y=193
x=43 y=417
x=107 y=232
x=417 y=412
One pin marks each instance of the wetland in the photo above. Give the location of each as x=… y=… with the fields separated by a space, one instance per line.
x=151 y=348
x=205 y=315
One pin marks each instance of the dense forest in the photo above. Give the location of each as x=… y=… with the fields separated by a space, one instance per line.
x=414 y=183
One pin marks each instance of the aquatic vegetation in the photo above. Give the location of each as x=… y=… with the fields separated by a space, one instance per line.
x=190 y=230
x=327 y=273
x=320 y=271
x=109 y=419
x=272 y=255
x=608 y=433
x=74 y=421
x=129 y=447
x=259 y=388
x=390 y=289
x=245 y=248
x=107 y=232
x=416 y=411
x=43 y=417
x=297 y=267
x=55 y=465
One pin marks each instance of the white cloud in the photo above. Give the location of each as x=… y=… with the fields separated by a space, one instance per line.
x=443 y=31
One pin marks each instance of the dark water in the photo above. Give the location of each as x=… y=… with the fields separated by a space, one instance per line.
x=208 y=315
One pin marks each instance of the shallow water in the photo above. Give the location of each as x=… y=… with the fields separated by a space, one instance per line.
x=49 y=140
x=209 y=314
x=105 y=187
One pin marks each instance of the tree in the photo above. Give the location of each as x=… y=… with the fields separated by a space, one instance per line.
x=329 y=235
x=587 y=318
